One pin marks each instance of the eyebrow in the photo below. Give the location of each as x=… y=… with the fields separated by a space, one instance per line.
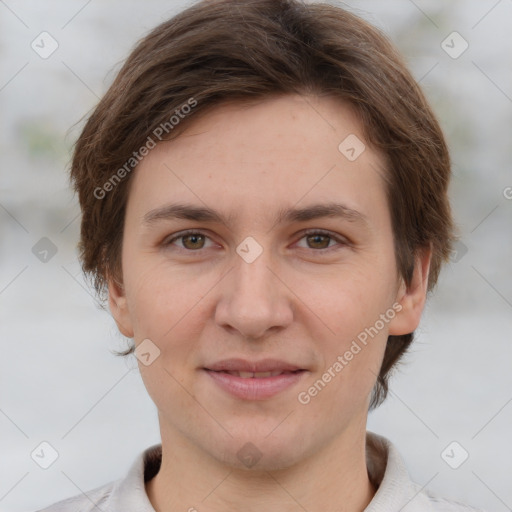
x=205 y=214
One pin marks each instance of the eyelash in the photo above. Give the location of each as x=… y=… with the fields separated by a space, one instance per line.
x=343 y=242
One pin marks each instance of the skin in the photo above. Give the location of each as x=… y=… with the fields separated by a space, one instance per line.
x=303 y=300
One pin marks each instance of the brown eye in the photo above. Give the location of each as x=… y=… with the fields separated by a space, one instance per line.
x=191 y=241
x=194 y=241
x=318 y=241
x=321 y=241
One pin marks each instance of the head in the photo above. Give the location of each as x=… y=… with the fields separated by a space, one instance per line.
x=301 y=105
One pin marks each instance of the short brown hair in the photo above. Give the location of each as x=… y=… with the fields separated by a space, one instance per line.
x=225 y=50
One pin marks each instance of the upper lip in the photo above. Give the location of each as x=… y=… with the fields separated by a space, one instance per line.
x=242 y=365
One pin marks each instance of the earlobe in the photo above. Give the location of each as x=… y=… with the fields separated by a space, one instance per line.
x=412 y=298
x=119 y=308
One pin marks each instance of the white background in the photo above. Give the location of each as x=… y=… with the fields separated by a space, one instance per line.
x=59 y=381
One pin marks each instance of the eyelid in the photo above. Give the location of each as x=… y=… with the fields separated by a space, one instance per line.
x=168 y=240
x=340 y=239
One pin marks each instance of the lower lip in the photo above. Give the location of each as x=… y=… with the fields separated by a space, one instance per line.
x=255 y=388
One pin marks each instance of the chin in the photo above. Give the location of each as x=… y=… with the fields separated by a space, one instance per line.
x=261 y=452
x=252 y=459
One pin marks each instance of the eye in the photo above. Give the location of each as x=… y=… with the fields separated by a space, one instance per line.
x=190 y=240
x=319 y=240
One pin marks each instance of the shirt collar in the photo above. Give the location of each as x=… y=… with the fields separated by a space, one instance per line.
x=386 y=469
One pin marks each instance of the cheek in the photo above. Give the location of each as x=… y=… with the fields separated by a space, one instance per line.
x=349 y=331
x=162 y=298
x=348 y=300
x=165 y=305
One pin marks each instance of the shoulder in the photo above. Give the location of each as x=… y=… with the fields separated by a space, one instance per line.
x=90 y=502
x=395 y=489
x=126 y=494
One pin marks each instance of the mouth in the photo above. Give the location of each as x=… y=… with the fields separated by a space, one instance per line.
x=249 y=368
x=258 y=384
x=256 y=375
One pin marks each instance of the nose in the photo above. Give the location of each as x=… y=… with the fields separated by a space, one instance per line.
x=254 y=300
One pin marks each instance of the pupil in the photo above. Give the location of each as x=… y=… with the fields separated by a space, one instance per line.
x=317 y=237
x=193 y=238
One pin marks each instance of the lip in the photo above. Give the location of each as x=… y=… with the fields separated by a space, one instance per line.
x=242 y=365
x=254 y=388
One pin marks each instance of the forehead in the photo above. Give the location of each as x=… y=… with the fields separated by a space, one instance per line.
x=263 y=156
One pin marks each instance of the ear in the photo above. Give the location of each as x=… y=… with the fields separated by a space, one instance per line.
x=412 y=298
x=119 y=307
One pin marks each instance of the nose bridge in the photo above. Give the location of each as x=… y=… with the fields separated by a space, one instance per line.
x=255 y=275
x=253 y=299
x=254 y=283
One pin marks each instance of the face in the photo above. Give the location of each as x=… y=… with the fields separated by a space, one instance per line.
x=266 y=276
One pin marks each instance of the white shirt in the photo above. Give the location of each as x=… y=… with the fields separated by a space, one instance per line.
x=386 y=469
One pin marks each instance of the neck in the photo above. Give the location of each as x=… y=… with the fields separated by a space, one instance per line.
x=335 y=478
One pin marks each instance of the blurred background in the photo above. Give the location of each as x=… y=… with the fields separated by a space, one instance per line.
x=59 y=382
